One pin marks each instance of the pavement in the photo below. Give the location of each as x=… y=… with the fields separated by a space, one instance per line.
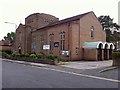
x=95 y=68
x=88 y=64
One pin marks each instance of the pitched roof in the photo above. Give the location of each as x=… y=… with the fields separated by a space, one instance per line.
x=77 y=17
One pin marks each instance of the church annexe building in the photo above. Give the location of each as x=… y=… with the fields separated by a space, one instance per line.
x=79 y=37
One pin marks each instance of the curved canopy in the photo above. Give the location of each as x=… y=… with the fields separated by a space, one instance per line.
x=97 y=44
x=111 y=46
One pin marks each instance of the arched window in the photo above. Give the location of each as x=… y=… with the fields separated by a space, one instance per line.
x=92 y=32
x=62 y=40
x=41 y=41
x=51 y=40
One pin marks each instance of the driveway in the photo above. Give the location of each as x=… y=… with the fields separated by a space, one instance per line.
x=88 y=64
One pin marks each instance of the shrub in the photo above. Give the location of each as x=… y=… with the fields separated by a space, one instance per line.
x=0 y=53
x=116 y=55
x=7 y=51
x=33 y=56
x=17 y=55
x=5 y=55
x=22 y=55
x=27 y=55
x=13 y=55
x=40 y=56
x=56 y=56
x=51 y=57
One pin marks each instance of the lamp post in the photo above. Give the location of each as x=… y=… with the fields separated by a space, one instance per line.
x=13 y=24
x=15 y=29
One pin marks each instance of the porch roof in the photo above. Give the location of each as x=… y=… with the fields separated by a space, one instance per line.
x=96 y=45
x=92 y=44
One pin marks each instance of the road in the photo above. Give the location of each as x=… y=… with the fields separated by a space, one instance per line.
x=16 y=75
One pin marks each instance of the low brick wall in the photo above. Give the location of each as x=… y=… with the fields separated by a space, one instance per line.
x=34 y=60
x=6 y=47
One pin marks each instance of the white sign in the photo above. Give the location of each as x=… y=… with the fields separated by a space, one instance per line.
x=65 y=53
x=46 y=47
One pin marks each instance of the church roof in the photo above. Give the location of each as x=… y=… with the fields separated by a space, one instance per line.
x=77 y=17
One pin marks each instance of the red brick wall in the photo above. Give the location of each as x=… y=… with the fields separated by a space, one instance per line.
x=85 y=24
x=90 y=54
x=46 y=32
x=76 y=33
x=6 y=47
x=32 y=23
x=20 y=38
x=39 y=20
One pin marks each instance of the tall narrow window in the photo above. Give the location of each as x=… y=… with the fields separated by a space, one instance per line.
x=41 y=41
x=33 y=44
x=92 y=32
x=62 y=40
x=20 y=36
x=51 y=41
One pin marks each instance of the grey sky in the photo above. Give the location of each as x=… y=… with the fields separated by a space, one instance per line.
x=15 y=11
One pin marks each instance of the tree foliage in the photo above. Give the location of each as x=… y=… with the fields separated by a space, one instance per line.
x=106 y=22
x=111 y=28
x=10 y=37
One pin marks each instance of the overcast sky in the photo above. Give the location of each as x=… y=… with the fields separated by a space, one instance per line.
x=15 y=11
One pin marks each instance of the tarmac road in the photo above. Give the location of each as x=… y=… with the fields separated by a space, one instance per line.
x=16 y=75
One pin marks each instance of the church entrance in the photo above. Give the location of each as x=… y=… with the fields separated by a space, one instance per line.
x=19 y=48
x=110 y=52
x=106 y=52
x=100 y=52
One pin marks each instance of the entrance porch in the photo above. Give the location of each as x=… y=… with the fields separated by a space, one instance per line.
x=97 y=50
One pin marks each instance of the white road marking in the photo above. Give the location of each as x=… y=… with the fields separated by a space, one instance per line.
x=78 y=74
x=83 y=75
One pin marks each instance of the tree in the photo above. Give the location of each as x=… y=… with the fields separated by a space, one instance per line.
x=106 y=22
x=111 y=29
x=10 y=37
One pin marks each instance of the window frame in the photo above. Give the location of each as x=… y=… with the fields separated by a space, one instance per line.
x=92 y=30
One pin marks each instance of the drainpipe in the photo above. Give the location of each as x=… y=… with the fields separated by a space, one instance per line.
x=69 y=42
x=79 y=38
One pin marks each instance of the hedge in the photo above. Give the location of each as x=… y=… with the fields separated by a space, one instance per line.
x=116 y=55
x=7 y=51
x=51 y=57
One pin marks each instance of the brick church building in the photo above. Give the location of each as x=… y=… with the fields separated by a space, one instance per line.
x=79 y=37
